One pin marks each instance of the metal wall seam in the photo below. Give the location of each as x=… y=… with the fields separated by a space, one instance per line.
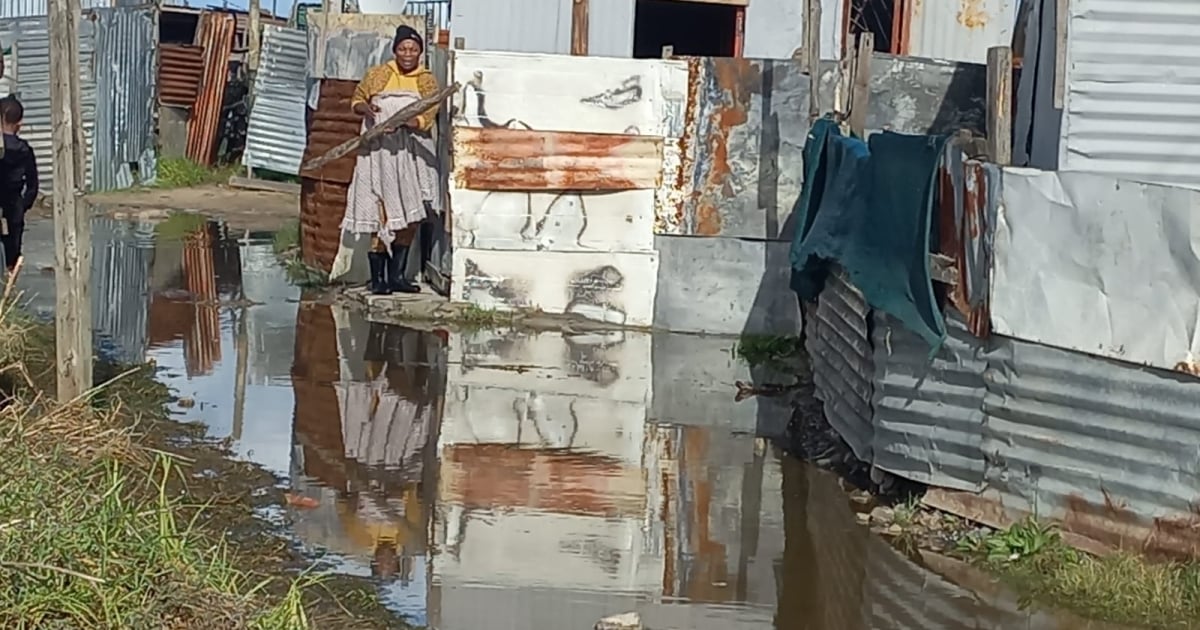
x=839 y=345
x=275 y=135
x=124 y=141
x=31 y=41
x=1131 y=89
x=928 y=415
x=960 y=31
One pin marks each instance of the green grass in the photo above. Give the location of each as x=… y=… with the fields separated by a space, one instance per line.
x=475 y=318
x=773 y=351
x=103 y=524
x=287 y=239
x=1123 y=588
x=184 y=173
x=179 y=225
x=286 y=244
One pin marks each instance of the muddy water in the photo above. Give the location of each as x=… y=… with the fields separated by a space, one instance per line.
x=502 y=479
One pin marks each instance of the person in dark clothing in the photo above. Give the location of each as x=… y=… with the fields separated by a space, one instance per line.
x=18 y=180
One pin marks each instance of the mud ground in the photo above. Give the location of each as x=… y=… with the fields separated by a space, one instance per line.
x=240 y=209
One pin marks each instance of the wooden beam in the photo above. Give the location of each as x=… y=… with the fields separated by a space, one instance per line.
x=72 y=229
x=579 y=27
x=812 y=56
x=999 y=104
x=860 y=91
x=254 y=37
x=1061 y=22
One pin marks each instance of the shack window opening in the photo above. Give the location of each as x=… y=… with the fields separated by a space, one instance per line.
x=707 y=29
x=882 y=18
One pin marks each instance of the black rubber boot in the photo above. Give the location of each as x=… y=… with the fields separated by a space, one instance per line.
x=379 y=280
x=396 y=264
x=426 y=238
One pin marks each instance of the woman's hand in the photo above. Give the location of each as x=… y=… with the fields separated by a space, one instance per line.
x=367 y=110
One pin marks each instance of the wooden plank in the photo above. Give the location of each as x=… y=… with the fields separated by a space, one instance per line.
x=246 y=183
x=860 y=92
x=812 y=55
x=999 y=104
x=520 y=159
x=579 y=27
x=72 y=229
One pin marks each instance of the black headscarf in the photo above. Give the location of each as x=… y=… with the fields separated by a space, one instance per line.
x=404 y=32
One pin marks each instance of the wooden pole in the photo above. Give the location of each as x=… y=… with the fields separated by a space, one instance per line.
x=812 y=56
x=860 y=92
x=579 y=27
x=999 y=104
x=254 y=38
x=72 y=229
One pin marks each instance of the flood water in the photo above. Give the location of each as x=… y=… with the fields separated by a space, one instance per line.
x=505 y=479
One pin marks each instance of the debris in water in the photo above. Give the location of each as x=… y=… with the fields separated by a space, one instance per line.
x=301 y=501
x=626 y=621
x=186 y=403
x=746 y=390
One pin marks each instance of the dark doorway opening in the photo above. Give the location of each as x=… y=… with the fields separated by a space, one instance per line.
x=702 y=29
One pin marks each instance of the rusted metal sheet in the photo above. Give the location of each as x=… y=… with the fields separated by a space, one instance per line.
x=957 y=30
x=519 y=159
x=180 y=69
x=332 y=124
x=216 y=36
x=966 y=201
x=742 y=150
x=322 y=206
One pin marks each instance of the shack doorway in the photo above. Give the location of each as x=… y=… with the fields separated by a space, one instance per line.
x=705 y=29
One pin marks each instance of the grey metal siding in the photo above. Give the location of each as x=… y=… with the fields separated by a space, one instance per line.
x=839 y=344
x=610 y=28
x=514 y=25
x=124 y=144
x=276 y=137
x=37 y=8
x=31 y=41
x=928 y=414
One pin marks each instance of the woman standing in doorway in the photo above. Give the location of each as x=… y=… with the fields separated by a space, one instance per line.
x=395 y=179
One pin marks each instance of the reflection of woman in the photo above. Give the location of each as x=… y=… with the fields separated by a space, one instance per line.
x=395 y=179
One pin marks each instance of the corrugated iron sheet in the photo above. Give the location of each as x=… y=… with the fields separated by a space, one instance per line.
x=839 y=344
x=1129 y=109
x=275 y=137
x=332 y=124
x=322 y=206
x=345 y=45
x=1102 y=446
x=37 y=8
x=124 y=145
x=515 y=26
x=31 y=42
x=958 y=30
x=928 y=415
x=121 y=271
x=520 y=159
x=180 y=70
x=216 y=36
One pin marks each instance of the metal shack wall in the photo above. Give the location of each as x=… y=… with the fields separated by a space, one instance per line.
x=31 y=39
x=124 y=139
x=37 y=8
x=960 y=31
x=1132 y=77
x=275 y=136
x=541 y=26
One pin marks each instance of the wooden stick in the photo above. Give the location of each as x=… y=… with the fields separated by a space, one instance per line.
x=391 y=124
x=860 y=92
x=999 y=104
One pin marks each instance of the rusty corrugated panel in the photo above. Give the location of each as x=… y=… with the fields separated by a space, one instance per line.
x=216 y=36
x=323 y=192
x=519 y=159
x=180 y=71
x=322 y=206
x=332 y=124
x=318 y=417
x=202 y=345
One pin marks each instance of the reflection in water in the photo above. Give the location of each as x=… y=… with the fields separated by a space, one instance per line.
x=503 y=479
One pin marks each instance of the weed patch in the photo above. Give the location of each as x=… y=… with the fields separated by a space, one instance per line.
x=772 y=351
x=1123 y=588
x=184 y=173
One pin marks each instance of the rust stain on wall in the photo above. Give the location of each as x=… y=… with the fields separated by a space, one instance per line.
x=959 y=230
x=725 y=88
x=972 y=14
x=519 y=159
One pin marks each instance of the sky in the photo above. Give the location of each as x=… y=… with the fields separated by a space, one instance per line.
x=284 y=6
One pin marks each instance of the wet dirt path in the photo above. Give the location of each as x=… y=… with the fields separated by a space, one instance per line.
x=507 y=479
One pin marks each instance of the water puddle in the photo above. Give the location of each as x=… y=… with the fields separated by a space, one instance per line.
x=503 y=478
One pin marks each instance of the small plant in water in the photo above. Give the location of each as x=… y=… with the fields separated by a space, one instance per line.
x=768 y=350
